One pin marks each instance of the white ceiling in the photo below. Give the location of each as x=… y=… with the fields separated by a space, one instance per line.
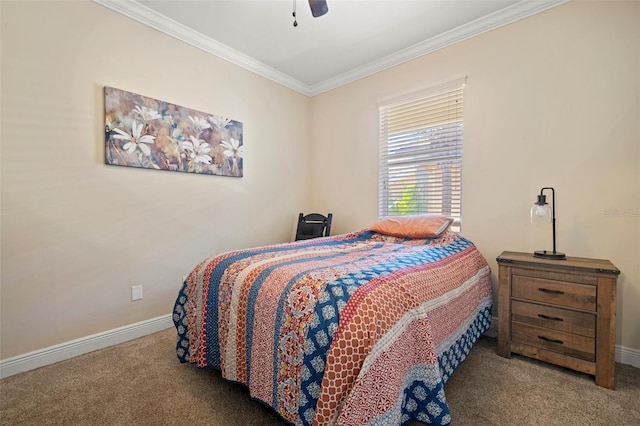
x=354 y=39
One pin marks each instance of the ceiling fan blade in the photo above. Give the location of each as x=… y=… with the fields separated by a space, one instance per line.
x=318 y=7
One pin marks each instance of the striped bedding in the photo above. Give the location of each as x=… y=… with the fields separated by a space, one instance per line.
x=353 y=329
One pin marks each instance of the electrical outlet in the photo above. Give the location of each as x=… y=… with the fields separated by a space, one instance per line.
x=136 y=292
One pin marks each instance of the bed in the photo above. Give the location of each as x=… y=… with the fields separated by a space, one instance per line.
x=354 y=329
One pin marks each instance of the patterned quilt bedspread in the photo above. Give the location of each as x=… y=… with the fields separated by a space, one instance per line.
x=354 y=329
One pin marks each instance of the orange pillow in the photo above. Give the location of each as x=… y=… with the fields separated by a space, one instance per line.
x=419 y=226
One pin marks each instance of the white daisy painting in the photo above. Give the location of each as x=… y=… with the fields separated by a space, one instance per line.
x=149 y=133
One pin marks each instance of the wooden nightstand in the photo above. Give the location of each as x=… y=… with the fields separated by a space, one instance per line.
x=559 y=311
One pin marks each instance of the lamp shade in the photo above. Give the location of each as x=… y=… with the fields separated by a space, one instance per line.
x=540 y=210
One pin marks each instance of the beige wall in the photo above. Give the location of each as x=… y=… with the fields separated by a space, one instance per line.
x=552 y=100
x=76 y=234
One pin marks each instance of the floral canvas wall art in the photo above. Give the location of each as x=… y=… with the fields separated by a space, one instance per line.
x=149 y=133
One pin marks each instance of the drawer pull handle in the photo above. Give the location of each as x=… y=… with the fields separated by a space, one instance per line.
x=550 y=318
x=546 y=290
x=546 y=339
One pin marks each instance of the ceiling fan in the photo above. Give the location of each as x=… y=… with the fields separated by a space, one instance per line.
x=318 y=8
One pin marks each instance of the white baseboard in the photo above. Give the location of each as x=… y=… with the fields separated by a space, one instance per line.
x=624 y=355
x=492 y=331
x=73 y=348
x=628 y=356
x=83 y=345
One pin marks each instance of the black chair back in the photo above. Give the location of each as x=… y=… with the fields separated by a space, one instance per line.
x=313 y=225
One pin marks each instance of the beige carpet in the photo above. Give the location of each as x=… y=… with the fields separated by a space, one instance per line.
x=142 y=383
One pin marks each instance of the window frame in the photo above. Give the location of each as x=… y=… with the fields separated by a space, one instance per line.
x=422 y=131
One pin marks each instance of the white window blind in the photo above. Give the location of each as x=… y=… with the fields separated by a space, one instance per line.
x=421 y=153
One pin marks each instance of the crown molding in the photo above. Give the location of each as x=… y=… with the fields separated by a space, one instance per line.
x=508 y=15
x=153 y=19
x=157 y=21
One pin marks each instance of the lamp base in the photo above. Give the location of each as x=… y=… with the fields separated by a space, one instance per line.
x=552 y=255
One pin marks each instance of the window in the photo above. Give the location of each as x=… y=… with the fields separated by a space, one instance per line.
x=421 y=153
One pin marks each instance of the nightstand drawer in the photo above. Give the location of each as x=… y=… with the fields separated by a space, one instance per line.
x=566 y=343
x=566 y=320
x=573 y=295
